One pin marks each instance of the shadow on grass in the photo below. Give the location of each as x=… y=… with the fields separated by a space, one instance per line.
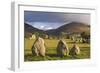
x=30 y=57
x=52 y=55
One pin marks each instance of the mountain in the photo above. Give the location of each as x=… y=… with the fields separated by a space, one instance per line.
x=29 y=30
x=73 y=27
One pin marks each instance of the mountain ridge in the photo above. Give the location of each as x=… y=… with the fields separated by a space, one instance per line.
x=73 y=27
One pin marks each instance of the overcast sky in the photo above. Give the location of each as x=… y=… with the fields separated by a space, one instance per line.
x=52 y=20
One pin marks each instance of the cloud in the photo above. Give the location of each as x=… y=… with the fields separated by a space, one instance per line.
x=36 y=16
x=49 y=28
x=46 y=25
x=41 y=27
x=53 y=20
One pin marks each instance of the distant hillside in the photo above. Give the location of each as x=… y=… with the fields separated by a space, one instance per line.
x=73 y=27
x=29 y=30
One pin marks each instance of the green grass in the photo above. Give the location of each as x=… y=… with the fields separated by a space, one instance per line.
x=51 y=50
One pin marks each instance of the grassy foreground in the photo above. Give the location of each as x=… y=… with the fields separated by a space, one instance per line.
x=51 y=50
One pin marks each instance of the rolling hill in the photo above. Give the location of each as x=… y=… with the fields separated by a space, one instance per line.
x=29 y=30
x=73 y=27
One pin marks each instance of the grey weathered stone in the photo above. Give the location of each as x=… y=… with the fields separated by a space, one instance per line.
x=75 y=50
x=62 y=48
x=38 y=47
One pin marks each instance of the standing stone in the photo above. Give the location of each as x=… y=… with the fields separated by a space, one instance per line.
x=62 y=48
x=75 y=50
x=38 y=47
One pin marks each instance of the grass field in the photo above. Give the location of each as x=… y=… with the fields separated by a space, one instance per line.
x=51 y=50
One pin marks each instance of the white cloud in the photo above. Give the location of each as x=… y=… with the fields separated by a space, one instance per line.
x=42 y=27
x=48 y=28
x=46 y=25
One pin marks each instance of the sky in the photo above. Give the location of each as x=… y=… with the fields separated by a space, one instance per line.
x=53 y=20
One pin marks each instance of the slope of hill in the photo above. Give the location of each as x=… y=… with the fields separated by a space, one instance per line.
x=73 y=27
x=31 y=29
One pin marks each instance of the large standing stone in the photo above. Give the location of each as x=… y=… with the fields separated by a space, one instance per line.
x=75 y=50
x=62 y=48
x=38 y=47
